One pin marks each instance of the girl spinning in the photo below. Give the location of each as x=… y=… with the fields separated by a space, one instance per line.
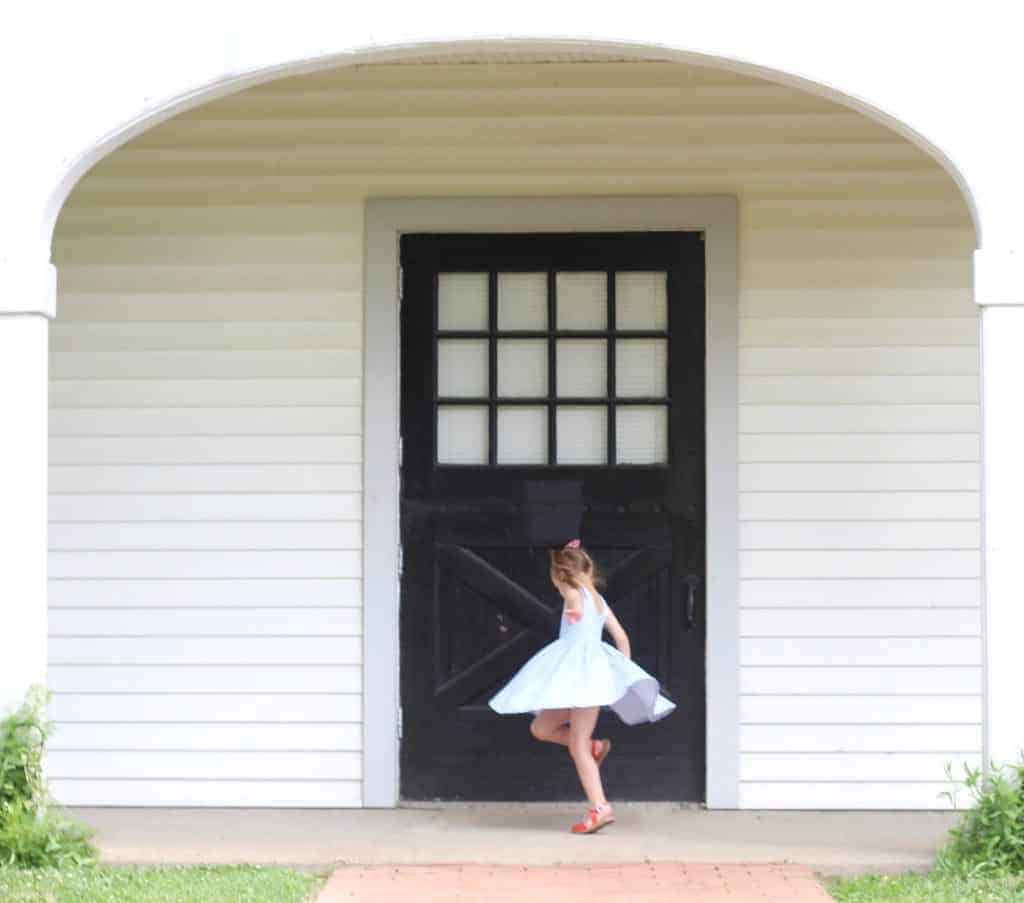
x=567 y=682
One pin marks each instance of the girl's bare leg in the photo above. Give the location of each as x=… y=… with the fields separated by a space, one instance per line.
x=581 y=727
x=552 y=726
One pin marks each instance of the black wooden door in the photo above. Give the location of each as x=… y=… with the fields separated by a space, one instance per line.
x=561 y=357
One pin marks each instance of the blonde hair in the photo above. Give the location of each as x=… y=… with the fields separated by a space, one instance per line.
x=570 y=563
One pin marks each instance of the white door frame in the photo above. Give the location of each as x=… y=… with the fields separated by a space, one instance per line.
x=386 y=221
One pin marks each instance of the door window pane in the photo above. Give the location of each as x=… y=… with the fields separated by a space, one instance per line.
x=462 y=301
x=462 y=368
x=522 y=301
x=641 y=368
x=462 y=434
x=522 y=435
x=582 y=434
x=582 y=368
x=523 y=368
x=641 y=301
x=641 y=434
x=582 y=300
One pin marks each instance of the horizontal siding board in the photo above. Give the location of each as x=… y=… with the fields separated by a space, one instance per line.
x=134 y=536
x=885 y=242
x=253 y=275
x=278 y=336
x=855 y=767
x=194 y=393
x=773 y=334
x=824 y=506
x=910 y=199
x=887 y=622
x=269 y=564
x=307 y=248
x=213 y=592
x=206 y=364
x=469 y=100
x=234 y=305
x=200 y=737
x=850 y=681
x=770 y=271
x=442 y=74
x=849 y=710
x=294 y=449
x=205 y=679
x=134 y=478
x=910 y=359
x=952 y=739
x=860 y=651
x=220 y=708
x=852 y=419
x=207 y=622
x=859 y=389
x=889 y=211
x=287 y=420
x=872 y=534
x=302 y=794
x=498 y=129
x=227 y=766
x=859 y=476
x=201 y=650
x=788 y=563
x=87 y=221
x=867 y=591
x=845 y=795
x=97 y=508
x=310 y=160
x=821 y=447
x=834 y=299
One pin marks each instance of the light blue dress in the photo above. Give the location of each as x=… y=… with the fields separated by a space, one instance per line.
x=579 y=670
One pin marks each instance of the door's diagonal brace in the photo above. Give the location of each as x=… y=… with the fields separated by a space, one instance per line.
x=502 y=591
x=497 y=662
x=639 y=566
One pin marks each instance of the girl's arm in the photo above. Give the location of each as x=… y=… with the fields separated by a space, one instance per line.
x=619 y=635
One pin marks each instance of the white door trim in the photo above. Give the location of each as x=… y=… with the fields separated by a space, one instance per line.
x=386 y=220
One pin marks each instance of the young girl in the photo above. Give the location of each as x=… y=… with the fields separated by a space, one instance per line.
x=567 y=682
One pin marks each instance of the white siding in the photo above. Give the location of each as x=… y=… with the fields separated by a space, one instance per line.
x=206 y=448
x=205 y=530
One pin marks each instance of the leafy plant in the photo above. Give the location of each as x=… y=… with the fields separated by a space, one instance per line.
x=989 y=840
x=32 y=832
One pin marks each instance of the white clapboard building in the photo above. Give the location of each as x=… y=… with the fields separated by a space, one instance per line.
x=317 y=312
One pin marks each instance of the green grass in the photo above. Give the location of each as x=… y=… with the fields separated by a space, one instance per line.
x=933 y=888
x=158 y=884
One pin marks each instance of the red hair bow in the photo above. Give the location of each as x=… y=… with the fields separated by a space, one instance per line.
x=573 y=544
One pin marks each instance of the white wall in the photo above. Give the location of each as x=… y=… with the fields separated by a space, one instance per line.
x=205 y=506
x=176 y=403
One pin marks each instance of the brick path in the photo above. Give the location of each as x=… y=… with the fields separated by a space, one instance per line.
x=655 y=882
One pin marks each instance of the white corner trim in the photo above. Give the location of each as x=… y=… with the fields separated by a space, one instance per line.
x=27 y=287
x=386 y=220
x=998 y=276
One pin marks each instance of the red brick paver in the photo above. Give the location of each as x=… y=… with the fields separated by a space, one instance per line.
x=649 y=882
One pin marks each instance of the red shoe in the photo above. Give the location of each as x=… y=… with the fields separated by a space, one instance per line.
x=600 y=749
x=596 y=819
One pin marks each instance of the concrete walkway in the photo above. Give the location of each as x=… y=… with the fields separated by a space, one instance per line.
x=651 y=882
x=832 y=843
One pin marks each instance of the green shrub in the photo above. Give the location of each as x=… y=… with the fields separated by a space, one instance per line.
x=989 y=840
x=32 y=833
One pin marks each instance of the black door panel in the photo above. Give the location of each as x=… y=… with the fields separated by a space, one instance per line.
x=476 y=601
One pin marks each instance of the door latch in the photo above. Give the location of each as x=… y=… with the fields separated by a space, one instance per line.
x=692 y=581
